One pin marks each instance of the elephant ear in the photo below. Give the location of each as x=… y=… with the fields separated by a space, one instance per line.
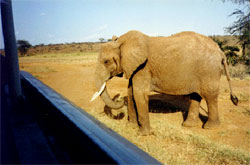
x=114 y=38
x=134 y=51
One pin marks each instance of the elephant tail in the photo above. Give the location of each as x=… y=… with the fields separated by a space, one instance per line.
x=234 y=98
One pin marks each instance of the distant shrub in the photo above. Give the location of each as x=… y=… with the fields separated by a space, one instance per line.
x=240 y=71
x=101 y=39
x=231 y=52
x=41 y=45
x=23 y=46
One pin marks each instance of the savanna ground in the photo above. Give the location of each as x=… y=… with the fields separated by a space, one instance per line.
x=72 y=75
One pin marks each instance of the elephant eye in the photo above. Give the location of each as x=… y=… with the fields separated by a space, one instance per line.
x=106 y=61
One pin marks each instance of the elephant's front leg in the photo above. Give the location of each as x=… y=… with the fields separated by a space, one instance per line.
x=131 y=106
x=141 y=90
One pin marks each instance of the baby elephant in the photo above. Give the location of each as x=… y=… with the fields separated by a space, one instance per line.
x=182 y=64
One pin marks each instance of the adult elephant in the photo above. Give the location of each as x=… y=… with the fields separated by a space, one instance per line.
x=182 y=64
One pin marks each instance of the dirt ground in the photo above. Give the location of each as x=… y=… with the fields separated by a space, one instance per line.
x=73 y=77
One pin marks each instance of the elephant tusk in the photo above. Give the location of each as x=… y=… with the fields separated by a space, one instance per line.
x=99 y=92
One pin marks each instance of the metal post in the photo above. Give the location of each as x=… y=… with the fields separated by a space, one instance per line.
x=12 y=66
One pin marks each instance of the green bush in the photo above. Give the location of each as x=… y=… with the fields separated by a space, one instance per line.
x=231 y=54
x=230 y=51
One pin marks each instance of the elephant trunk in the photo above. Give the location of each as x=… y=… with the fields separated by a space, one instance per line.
x=105 y=96
x=109 y=102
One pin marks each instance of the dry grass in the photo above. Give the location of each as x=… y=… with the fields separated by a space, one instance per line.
x=171 y=143
x=66 y=58
x=240 y=71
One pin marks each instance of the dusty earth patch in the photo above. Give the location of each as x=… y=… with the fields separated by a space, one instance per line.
x=72 y=76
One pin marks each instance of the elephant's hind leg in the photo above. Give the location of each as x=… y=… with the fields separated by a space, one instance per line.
x=213 y=116
x=193 y=112
x=211 y=93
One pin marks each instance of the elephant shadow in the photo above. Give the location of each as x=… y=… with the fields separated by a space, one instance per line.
x=161 y=103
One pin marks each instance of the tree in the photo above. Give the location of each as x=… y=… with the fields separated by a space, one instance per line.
x=241 y=26
x=23 y=46
x=101 y=39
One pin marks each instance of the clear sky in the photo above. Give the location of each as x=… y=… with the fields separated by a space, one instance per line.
x=61 y=21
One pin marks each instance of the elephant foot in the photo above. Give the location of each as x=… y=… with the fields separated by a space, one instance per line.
x=212 y=124
x=144 y=131
x=191 y=123
x=132 y=124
